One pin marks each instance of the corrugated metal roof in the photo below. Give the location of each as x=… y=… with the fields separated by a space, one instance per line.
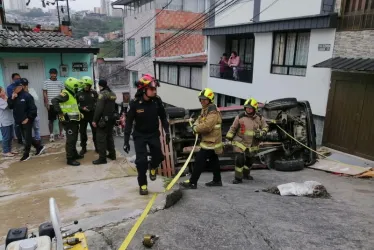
x=122 y=2
x=40 y=40
x=343 y=63
x=306 y=22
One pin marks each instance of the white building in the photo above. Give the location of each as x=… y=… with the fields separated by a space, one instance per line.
x=278 y=43
x=19 y=5
x=106 y=7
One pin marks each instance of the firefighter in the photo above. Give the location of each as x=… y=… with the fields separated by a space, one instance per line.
x=245 y=133
x=87 y=99
x=145 y=110
x=103 y=120
x=66 y=106
x=208 y=125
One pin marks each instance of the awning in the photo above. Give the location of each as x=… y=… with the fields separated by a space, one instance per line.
x=343 y=63
x=299 y=23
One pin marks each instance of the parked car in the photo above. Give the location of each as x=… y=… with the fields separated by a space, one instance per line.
x=279 y=151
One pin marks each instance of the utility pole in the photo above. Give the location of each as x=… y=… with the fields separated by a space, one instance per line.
x=2 y=12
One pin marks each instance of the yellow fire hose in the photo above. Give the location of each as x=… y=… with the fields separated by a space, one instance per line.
x=135 y=228
x=305 y=146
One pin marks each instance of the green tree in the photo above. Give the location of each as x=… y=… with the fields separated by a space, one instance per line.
x=81 y=27
x=36 y=12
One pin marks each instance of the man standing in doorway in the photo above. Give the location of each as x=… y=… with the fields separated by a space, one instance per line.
x=52 y=88
x=15 y=78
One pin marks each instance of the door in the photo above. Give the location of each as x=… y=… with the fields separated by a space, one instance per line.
x=33 y=70
x=349 y=124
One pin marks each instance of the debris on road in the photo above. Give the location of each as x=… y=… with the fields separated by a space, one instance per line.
x=310 y=189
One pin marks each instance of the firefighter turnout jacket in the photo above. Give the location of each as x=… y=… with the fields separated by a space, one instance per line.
x=208 y=125
x=246 y=131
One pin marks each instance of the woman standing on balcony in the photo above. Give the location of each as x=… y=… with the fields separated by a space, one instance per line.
x=223 y=65
x=234 y=63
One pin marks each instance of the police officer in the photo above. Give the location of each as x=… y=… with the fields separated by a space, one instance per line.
x=67 y=108
x=208 y=125
x=145 y=110
x=87 y=99
x=245 y=133
x=104 y=118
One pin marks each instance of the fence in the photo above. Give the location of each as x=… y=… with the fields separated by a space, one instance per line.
x=245 y=73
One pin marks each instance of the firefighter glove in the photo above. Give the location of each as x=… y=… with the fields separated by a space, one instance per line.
x=167 y=138
x=126 y=147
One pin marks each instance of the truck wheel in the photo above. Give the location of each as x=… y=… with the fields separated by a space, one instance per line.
x=279 y=104
x=289 y=165
x=176 y=112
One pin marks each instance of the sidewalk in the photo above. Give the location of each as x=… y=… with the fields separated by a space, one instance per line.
x=81 y=192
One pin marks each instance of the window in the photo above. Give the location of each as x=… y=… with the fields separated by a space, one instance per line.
x=180 y=75
x=146 y=46
x=131 y=47
x=134 y=78
x=290 y=53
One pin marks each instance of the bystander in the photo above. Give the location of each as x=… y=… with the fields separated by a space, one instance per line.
x=6 y=125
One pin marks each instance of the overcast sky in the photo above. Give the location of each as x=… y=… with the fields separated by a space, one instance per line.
x=74 y=4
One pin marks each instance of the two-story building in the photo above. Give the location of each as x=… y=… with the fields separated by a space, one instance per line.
x=349 y=124
x=152 y=33
x=278 y=42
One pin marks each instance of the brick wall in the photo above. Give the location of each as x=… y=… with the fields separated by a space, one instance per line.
x=170 y=19
x=170 y=22
x=354 y=44
x=186 y=44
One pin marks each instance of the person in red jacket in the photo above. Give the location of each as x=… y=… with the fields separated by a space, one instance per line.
x=37 y=28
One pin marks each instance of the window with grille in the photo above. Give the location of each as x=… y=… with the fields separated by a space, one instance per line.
x=134 y=78
x=290 y=53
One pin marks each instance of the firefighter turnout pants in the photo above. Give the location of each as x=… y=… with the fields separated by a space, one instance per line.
x=201 y=159
x=71 y=129
x=154 y=144
x=243 y=163
x=105 y=141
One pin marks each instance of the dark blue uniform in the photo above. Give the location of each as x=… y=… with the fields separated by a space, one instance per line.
x=146 y=115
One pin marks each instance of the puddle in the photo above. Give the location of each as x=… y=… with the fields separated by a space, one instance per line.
x=31 y=210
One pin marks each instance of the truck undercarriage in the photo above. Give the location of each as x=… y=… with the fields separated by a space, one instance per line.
x=280 y=151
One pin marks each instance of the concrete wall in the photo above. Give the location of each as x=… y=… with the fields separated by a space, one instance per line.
x=241 y=12
x=313 y=87
x=289 y=8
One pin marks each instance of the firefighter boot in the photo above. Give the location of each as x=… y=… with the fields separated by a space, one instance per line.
x=99 y=161
x=83 y=151
x=187 y=184
x=237 y=181
x=143 y=190
x=246 y=174
x=152 y=174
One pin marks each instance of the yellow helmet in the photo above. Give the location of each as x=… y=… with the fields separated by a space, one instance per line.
x=251 y=103
x=207 y=93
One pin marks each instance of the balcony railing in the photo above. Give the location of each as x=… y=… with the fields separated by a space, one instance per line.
x=354 y=21
x=244 y=73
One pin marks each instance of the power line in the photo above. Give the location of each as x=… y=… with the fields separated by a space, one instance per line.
x=274 y=2
x=190 y=28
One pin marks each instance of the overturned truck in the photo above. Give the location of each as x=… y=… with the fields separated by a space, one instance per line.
x=286 y=147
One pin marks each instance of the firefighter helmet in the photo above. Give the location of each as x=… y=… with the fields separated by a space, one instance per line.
x=207 y=94
x=147 y=81
x=251 y=103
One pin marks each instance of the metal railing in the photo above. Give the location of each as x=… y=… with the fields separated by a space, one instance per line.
x=353 y=21
x=244 y=73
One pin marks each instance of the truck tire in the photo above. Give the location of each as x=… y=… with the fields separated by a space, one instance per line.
x=279 y=104
x=289 y=165
x=176 y=112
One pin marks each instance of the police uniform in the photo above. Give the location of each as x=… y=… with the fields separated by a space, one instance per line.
x=87 y=103
x=66 y=106
x=104 y=118
x=208 y=125
x=245 y=134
